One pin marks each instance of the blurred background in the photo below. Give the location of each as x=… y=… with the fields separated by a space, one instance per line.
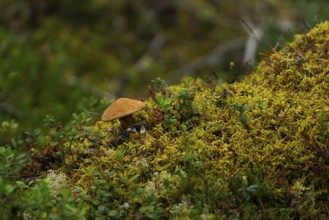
x=59 y=56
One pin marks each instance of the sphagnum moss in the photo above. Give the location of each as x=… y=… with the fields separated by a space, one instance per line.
x=257 y=148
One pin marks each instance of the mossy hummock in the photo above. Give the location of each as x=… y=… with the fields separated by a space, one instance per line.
x=252 y=149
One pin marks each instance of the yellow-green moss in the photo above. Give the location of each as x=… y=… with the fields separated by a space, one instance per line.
x=270 y=131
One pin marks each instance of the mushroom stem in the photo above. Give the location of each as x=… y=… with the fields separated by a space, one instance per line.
x=127 y=121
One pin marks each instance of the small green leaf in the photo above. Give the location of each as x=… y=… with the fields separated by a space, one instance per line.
x=113 y=214
x=166 y=101
x=54 y=143
x=76 y=191
x=120 y=155
x=252 y=188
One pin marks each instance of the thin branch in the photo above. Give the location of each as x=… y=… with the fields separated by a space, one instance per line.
x=212 y=58
x=154 y=48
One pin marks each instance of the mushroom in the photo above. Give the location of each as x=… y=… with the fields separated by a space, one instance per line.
x=122 y=109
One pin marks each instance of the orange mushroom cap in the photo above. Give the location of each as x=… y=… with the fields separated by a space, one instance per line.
x=121 y=108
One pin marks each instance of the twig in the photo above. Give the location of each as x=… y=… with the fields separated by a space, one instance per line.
x=252 y=42
x=154 y=48
x=213 y=57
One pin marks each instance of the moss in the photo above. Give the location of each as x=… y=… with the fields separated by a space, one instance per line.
x=257 y=148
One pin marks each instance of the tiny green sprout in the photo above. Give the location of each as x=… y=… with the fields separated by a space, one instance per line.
x=32 y=137
x=261 y=103
x=163 y=102
x=184 y=95
x=160 y=84
x=169 y=120
x=324 y=122
x=186 y=104
x=120 y=155
x=49 y=121
x=232 y=64
x=241 y=108
x=8 y=128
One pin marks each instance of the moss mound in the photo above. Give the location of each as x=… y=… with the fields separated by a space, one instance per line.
x=254 y=149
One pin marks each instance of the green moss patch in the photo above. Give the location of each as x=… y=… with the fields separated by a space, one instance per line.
x=256 y=149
